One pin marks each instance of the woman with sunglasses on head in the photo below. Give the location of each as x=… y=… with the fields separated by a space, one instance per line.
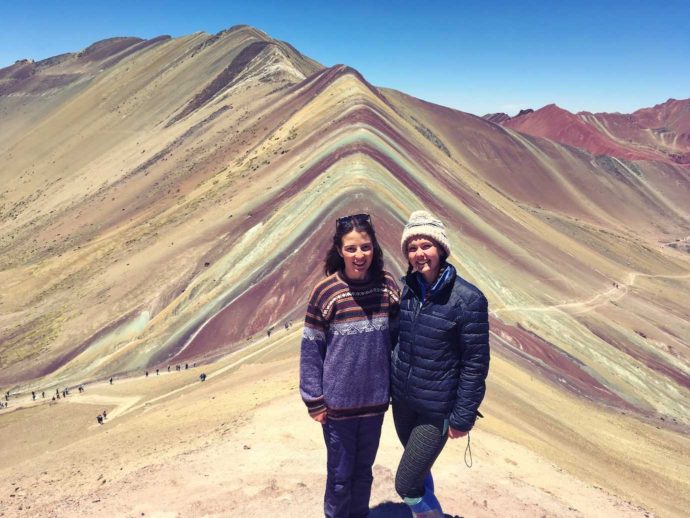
x=441 y=360
x=345 y=361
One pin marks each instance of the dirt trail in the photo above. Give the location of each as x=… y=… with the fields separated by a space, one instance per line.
x=613 y=294
x=120 y=404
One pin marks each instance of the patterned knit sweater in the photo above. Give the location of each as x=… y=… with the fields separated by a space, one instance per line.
x=345 y=354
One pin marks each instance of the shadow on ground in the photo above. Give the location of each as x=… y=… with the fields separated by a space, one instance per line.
x=395 y=510
x=390 y=510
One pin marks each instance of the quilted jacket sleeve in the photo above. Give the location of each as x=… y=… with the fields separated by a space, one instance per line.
x=474 y=342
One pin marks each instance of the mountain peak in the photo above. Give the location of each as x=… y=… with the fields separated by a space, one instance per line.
x=552 y=108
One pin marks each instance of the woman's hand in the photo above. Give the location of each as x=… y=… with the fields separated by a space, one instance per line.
x=320 y=417
x=454 y=434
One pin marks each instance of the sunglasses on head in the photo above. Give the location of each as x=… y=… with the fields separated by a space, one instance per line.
x=352 y=219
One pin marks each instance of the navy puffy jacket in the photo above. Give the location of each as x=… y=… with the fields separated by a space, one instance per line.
x=441 y=360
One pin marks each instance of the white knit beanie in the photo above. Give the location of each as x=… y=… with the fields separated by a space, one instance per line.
x=423 y=224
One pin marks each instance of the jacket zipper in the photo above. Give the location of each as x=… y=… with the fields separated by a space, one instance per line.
x=417 y=310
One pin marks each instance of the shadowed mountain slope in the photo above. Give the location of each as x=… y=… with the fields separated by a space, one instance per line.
x=177 y=203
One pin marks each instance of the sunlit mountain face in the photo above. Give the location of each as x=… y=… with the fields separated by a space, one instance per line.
x=169 y=200
x=660 y=133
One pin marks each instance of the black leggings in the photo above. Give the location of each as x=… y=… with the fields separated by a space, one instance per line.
x=423 y=438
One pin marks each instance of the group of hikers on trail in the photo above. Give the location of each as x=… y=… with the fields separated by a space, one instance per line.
x=64 y=392
x=367 y=344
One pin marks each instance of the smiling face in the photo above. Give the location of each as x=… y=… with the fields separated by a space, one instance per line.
x=423 y=254
x=357 y=252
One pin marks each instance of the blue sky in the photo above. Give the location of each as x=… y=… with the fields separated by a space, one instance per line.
x=479 y=57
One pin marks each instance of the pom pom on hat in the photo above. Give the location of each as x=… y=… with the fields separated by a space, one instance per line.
x=423 y=224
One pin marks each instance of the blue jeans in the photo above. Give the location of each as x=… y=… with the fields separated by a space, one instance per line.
x=351 y=446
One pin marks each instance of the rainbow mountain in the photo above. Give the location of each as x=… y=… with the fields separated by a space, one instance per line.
x=171 y=200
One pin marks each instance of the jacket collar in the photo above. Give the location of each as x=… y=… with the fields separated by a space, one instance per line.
x=445 y=280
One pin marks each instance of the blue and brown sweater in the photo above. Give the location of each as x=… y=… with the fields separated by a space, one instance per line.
x=345 y=354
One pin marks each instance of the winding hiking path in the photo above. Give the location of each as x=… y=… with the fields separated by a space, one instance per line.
x=123 y=405
x=615 y=293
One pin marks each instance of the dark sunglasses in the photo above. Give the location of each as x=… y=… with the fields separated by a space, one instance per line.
x=345 y=221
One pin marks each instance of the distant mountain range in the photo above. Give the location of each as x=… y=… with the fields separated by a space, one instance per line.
x=167 y=200
x=659 y=133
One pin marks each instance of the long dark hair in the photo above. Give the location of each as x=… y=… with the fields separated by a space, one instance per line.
x=361 y=223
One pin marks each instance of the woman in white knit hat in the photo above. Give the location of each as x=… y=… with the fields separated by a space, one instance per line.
x=440 y=362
